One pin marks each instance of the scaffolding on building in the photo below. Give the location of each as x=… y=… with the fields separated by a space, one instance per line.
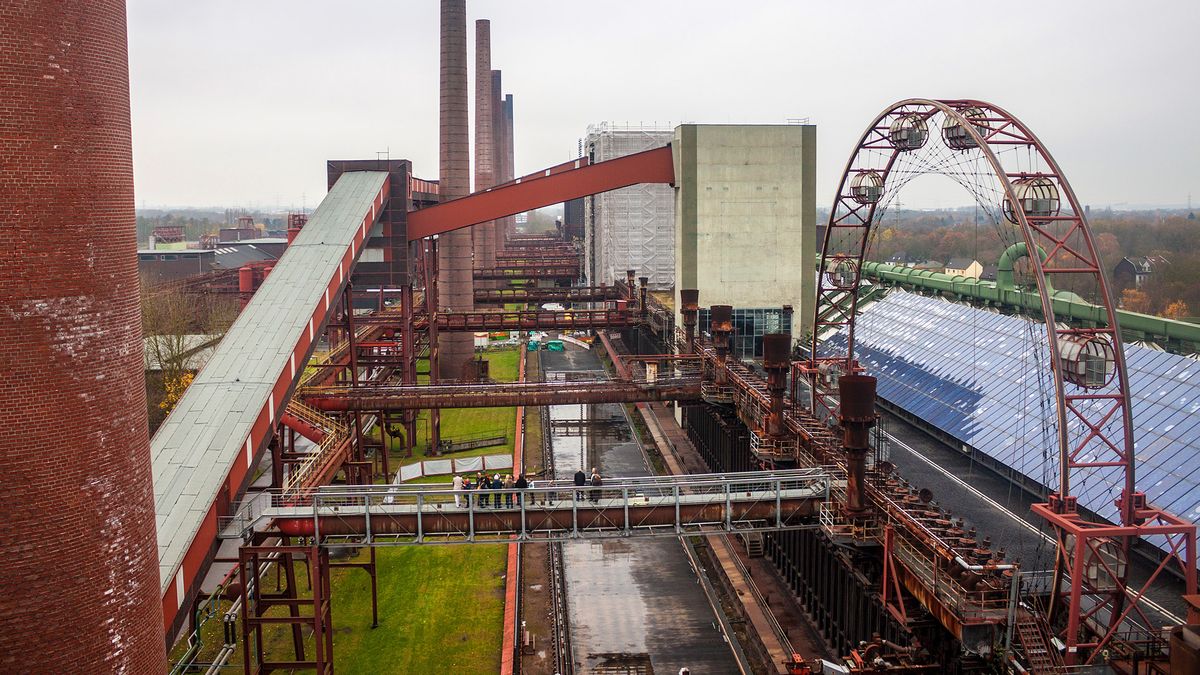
x=632 y=228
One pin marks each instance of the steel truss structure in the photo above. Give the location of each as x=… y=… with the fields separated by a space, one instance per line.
x=1011 y=174
x=376 y=515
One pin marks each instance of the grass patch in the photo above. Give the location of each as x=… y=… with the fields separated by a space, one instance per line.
x=468 y=422
x=441 y=610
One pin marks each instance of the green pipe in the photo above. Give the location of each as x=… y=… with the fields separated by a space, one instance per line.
x=1008 y=260
x=1067 y=305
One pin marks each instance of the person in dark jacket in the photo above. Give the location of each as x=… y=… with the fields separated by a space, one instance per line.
x=580 y=480
x=521 y=485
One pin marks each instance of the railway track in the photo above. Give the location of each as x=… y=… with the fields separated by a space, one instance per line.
x=564 y=663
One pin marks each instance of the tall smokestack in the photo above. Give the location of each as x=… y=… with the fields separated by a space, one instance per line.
x=499 y=156
x=77 y=527
x=509 y=167
x=455 y=275
x=485 y=143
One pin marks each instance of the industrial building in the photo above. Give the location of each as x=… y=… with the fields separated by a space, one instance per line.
x=786 y=412
x=746 y=190
x=632 y=228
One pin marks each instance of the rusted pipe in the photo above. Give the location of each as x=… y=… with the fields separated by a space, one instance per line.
x=689 y=308
x=721 y=327
x=857 y=394
x=499 y=395
x=776 y=348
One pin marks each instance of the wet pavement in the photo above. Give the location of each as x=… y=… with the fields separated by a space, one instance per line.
x=636 y=606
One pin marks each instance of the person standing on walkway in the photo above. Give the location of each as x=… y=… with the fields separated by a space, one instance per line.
x=521 y=486
x=580 y=481
x=596 y=482
x=508 y=488
x=458 y=485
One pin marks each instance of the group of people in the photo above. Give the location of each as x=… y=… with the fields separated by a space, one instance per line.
x=582 y=479
x=492 y=491
x=496 y=491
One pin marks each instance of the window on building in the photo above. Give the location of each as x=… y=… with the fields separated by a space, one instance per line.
x=749 y=327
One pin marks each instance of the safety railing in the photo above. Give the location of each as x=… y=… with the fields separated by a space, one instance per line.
x=553 y=511
x=314 y=417
x=300 y=475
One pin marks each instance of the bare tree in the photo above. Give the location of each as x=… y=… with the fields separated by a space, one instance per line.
x=167 y=319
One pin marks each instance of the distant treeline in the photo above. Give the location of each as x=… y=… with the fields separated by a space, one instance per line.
x=197 y=222
x=1173 y=235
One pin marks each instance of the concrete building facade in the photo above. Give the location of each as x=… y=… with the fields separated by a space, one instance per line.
x=632 y=228
x=745 y=224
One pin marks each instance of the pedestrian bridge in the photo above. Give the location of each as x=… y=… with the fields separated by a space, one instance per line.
x=351 y=516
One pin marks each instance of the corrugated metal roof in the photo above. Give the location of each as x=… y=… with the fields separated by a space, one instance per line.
x=198 y=443
x=977 y=376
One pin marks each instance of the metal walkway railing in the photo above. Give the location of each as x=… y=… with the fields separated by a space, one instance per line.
x=552 y=511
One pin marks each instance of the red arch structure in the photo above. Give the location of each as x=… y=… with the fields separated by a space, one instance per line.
x=1091 y=599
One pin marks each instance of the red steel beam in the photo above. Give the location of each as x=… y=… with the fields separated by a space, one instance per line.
x=552 y=186
x=501 y=395
x=525 y=260
x=578 y=294
x=529 y=272
x=518 y=320
x=537 y=320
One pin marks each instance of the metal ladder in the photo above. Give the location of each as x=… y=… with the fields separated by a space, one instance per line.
x=1039 y=655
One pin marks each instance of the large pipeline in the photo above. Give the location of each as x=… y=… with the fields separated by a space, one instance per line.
x=1066 y=304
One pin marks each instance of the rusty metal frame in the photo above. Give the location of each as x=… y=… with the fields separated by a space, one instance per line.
x=557 y=184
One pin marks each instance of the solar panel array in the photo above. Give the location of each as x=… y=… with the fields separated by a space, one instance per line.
x=984 y=379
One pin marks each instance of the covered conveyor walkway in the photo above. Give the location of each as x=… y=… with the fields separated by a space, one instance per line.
x=552 y=511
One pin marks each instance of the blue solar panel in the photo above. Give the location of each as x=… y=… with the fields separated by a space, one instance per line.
x=983 y=378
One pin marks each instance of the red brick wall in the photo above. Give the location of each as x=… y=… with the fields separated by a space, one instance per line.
x=78 y=567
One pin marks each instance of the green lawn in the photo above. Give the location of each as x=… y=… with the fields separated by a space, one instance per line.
x=470 y=422
x=441 y=608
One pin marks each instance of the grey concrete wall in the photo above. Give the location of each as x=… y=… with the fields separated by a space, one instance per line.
x=745 y=216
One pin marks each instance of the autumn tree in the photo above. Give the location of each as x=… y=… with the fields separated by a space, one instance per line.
x=1133 y=300
x=1177 y=310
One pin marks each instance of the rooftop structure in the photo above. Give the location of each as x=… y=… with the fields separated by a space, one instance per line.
x=744 y=191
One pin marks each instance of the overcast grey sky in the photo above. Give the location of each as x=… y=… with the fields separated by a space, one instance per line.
x=238 y=103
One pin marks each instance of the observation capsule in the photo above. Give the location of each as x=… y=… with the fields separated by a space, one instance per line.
x=1088 y=361
x=866 y=187
x=908 y=132
x=841 y=272
x=1038 y=198
x=956 y=135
